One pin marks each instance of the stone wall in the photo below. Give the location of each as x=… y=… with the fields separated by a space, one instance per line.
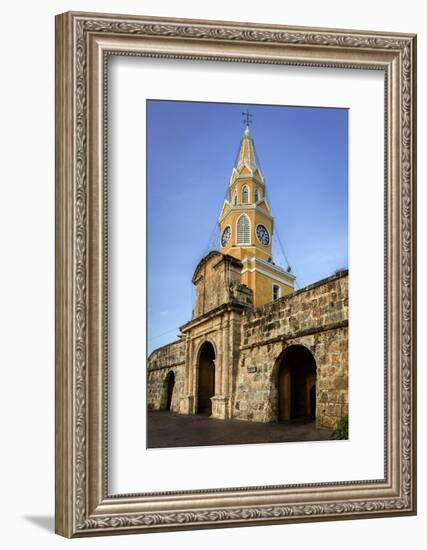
x=315 y=317
x=217 y=280
x=162 y=361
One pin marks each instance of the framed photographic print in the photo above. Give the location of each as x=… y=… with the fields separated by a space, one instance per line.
x=235 y=274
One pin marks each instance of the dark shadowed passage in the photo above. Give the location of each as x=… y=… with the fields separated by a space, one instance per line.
x=206 y=385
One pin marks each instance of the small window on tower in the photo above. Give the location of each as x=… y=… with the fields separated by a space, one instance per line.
x=245 y=194
x=256 y=195
x=276 y=292
x=235 y=199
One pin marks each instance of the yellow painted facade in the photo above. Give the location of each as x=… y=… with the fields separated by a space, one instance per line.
x=246 y=228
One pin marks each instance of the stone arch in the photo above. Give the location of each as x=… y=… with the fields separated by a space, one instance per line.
x=294 y=383
x=169 y=386
x=203 y=341
x=205 y=369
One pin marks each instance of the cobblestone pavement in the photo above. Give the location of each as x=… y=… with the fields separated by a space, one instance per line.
x=169 y=429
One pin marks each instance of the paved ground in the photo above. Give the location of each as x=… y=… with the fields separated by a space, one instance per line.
x=168 y=429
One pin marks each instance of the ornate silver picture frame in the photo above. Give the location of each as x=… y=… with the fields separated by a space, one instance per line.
x=84 y=42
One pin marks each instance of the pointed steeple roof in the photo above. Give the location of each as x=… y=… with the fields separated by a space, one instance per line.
x=246 y=161
x=246 y=154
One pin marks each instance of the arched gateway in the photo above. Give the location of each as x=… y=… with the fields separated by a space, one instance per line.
x=296 y=384
x=170 y=384
x=206 y=384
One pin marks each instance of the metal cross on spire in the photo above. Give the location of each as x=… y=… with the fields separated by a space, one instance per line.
x=247 y=118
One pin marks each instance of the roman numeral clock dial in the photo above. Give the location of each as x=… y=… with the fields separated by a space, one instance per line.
x=263 y=235
x=226 y=234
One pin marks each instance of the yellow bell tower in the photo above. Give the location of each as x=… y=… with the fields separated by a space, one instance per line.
x=247 y=224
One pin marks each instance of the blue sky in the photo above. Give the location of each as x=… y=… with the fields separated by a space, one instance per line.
x=303 y=153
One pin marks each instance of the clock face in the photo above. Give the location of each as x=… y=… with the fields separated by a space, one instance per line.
x=263 y=235
x=226 y=234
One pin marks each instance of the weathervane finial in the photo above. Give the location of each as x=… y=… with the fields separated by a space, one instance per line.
x=247 y=118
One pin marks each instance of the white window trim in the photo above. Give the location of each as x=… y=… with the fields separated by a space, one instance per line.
x=249 y=194
x=250 y=230
x=279 y=294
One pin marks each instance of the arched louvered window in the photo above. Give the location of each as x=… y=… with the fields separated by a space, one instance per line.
x=243 y=230
x=245 y=194
x=256 y=195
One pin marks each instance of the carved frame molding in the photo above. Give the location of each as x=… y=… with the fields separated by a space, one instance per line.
x=83 y=43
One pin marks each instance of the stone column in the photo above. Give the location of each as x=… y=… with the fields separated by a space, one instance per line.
x=226 y=356
x=187 y=367
x=220 y=401
x=192 y=377
x=233 y=359
x=219 y=363
x=187 y=402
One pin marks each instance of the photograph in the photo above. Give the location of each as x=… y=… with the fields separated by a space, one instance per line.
x=235 y=272
x=247 y=273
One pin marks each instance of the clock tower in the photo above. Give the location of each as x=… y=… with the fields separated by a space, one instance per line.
x=247 y=224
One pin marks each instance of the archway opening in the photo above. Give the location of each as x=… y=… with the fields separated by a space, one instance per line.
x=297 y=384
x=170 y=384
x=206 y=386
